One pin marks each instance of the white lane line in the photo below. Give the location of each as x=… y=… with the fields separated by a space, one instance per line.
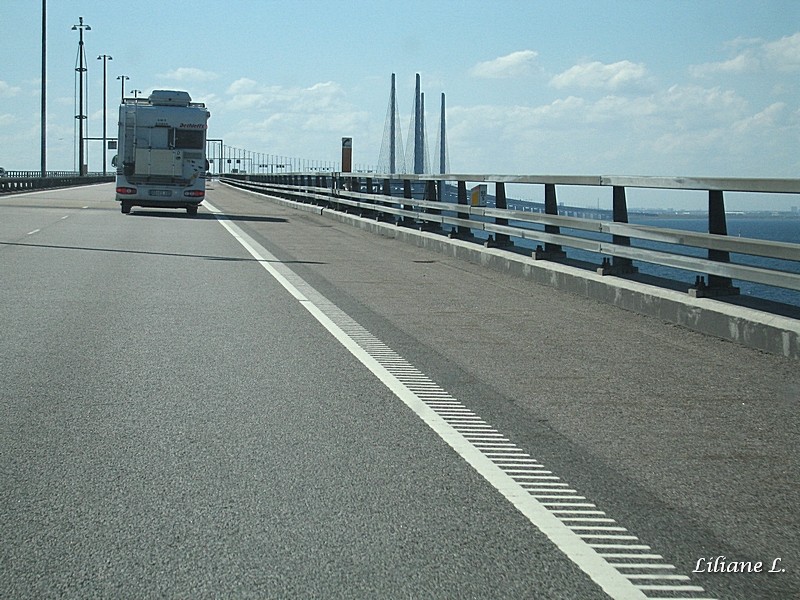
x=532 y=469
x=672 y=588
x=630 y=555
x=658 y=576
x=34 y=231
x=528 y=498
x=516 y=460
x=546 y=498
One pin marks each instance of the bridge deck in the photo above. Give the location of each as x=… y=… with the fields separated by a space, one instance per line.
x=702 y=425
x=686 y=440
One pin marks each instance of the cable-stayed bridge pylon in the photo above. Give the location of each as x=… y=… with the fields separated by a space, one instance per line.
x=393 y=159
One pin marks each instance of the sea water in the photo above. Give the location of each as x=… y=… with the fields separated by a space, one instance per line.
x=777 y=229
x=784 y=228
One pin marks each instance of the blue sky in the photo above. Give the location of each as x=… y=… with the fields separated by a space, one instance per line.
x=650 y=87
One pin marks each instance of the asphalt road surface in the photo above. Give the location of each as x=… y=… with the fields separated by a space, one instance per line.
x=260 y=402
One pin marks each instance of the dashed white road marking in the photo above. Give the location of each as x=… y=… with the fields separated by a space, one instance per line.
x=592 y=540
x=34 y=231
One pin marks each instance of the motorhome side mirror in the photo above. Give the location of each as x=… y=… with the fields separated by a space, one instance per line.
x=114 y=161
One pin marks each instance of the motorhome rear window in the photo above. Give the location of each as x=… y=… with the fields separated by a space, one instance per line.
x=188 y=139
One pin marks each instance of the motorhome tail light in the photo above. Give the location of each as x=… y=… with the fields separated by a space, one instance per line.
x=126 y=191
x=194 y=193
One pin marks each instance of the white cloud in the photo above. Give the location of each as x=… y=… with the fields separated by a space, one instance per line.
x=7 y=90
x=189 y=74
x=245 y=101
x=687 y=129
x=784 y=53
x=561 y=110
x=320 y=96
x=743 y=63
x=761 y=121
x=781 y=55
x=516 y=64
x=599 y=75
x=622 y=109
x=242 y=85
x=699 y=102
x=249 y=94
x=292 y=117
x=687 y=143
x=743 y=42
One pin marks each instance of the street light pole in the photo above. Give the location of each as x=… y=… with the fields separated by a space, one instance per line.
x=122 y=91
x=81 y=69
x=105 y=58
x=44 y=89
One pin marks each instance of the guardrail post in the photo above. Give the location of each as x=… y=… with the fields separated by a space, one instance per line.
x=550 y=251
x=462 y=232
x=717 y=224
x=430 y=195
x=324 y=184
x=386 y=190
x=500 y=240
x=330 y=190
x=404 y=220
x=336 y=186
x=317 y=184
x=619 y=265
x=370 y=213
x=354 y=186
x=308 y=183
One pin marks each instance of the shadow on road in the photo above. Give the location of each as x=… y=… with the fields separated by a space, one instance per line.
x=204 y=216
x=151 y=253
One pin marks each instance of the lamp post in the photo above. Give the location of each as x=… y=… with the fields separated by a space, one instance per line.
x=81 y=69
x=122 y=91
x=219 y=160
x=136 y=93
x=44 y=89
x=105 y=58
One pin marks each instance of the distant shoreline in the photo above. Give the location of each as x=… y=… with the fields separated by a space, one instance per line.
x=729 y=215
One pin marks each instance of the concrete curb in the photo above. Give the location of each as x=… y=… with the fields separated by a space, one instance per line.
x=750 y=327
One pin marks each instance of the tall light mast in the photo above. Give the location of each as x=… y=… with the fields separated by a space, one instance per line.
x=44 y=89
x=81 y=69
x=105 y=58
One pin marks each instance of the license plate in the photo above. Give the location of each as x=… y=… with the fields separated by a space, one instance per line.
x=163 y=193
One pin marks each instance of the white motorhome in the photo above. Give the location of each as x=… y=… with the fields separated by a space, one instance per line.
x=162 y=151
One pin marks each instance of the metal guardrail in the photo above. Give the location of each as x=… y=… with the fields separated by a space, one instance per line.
x=503 y=225
x=37 y=174
x=25 y=181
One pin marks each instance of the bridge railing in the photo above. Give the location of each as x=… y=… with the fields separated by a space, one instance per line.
x=421 y=201
x=25 y=181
